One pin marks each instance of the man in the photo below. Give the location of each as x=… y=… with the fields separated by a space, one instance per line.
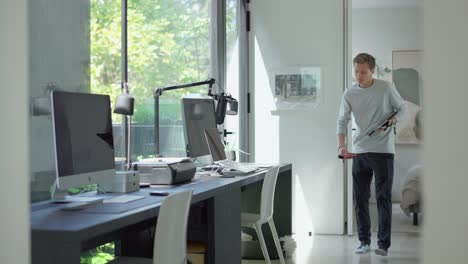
x=371 y=101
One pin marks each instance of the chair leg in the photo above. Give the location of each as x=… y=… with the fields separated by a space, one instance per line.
x=277 y=242
x=258 y=228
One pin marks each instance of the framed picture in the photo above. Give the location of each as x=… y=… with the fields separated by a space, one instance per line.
x=297 y=87
x=407 y=77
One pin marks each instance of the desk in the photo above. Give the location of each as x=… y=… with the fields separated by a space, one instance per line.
x=60 y=236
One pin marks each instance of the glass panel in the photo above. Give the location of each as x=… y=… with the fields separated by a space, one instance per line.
x=105 y=61
x=232 y=68
x=168 y=43
x=75 y=46
x=59 y=59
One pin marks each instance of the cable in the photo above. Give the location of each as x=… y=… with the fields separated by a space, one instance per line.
x=217 y=83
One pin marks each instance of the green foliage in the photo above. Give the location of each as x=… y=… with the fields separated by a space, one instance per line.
x=99 y=255
x=168 y=43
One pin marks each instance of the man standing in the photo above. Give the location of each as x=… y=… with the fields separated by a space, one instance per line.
x=371 y=101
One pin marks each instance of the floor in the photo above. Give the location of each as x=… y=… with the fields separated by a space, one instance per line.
x=336 y=249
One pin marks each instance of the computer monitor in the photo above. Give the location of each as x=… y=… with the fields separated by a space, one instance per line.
x=83 y=140
x=198 y=114
x=215 y=145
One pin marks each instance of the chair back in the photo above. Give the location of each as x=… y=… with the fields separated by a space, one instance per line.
x=268 y=194
x=170 y=240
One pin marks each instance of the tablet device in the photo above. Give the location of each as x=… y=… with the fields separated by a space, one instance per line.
x=384 y=124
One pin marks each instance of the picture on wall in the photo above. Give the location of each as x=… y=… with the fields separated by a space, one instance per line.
x=297 y=87
x=407 y=77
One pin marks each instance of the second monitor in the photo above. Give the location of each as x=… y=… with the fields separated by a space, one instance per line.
x=198 y=114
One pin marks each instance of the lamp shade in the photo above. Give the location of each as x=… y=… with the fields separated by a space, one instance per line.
x=124 y=104
x=232 y=107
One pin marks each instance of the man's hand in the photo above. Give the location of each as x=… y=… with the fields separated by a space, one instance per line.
x=392 y=121
x=388 y=124
x=344 y=154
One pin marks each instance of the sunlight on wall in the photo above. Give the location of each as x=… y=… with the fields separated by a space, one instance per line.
x=303 y=217
x=308 y=33
x=264 y=103
x=302 y=222
x=305 y=213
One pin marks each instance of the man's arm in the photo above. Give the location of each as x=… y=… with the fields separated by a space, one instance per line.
x=343 y=117
x=398 y=104
x=341 y=127
x=343 y=152
x=341 y=140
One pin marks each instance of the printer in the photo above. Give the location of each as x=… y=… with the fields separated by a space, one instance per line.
x=166 y=170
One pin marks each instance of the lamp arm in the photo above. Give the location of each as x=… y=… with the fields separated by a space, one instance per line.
x=159 y=91
x=222 y=99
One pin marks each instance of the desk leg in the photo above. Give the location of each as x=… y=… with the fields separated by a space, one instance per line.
x=224 y=220
x=51 y=251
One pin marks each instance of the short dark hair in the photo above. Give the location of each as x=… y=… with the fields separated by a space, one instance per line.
x=365 y=58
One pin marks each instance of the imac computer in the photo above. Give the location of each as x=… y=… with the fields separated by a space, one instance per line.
x=83 y=140
x=198 y=114
x=218 y=155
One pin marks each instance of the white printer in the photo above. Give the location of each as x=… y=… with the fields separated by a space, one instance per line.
x=166 y=170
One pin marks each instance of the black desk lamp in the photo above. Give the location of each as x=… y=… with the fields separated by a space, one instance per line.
x=124 y=105
x=223 y=101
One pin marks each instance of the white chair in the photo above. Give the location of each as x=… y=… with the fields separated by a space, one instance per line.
x=170 y=240
x=256 y=221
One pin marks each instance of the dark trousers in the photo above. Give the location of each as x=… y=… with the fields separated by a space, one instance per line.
x=364 y=166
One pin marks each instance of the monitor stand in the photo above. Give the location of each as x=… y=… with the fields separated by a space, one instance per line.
x=60 y=196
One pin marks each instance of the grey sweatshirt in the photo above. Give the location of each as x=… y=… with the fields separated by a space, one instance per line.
x=370 y=107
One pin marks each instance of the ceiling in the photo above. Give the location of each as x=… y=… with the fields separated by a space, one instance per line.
x=385 y=3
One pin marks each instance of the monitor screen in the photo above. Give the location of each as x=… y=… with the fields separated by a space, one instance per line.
x=215 y=145
x=198 y=115
x=84 y=143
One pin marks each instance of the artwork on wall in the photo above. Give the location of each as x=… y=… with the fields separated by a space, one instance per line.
x=407 y=77
x=297 y=87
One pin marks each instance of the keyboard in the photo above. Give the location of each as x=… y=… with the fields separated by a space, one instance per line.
x=126 y=198
x=74 y=206
x=212 y=168
x=237 y=166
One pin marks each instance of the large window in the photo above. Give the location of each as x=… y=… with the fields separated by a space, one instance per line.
x=76 y=46
x=168 y=43
x=105 y=59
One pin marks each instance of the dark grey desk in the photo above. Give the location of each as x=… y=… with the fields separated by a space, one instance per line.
x=60 y=236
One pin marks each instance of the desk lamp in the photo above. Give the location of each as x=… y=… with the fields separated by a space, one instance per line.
x=124 y=105
x=223 y=100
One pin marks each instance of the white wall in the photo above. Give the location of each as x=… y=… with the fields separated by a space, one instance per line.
x=445 y=186
x=289 y=34
x=14 y=160
x=379 y=31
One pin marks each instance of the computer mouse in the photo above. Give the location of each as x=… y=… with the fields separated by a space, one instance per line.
x=144 y=185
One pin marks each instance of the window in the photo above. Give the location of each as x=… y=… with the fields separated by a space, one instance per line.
x=168 y=43
x=105 y=60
